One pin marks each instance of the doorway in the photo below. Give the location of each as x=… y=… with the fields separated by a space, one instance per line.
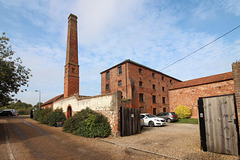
x=69 y=112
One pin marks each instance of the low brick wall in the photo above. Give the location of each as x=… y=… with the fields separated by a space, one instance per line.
x=108 y=105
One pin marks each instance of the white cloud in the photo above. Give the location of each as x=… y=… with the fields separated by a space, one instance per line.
x=110 y=31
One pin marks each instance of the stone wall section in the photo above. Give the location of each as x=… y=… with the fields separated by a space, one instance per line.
x=190 y=95
x=108 y=105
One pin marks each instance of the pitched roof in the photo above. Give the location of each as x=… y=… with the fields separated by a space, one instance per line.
x=204 y=80
x=140 y=65
x=53 y=100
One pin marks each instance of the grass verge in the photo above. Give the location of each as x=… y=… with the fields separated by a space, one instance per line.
x=188 y=120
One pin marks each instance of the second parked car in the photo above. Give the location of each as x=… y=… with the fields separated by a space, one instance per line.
x=169 y=116
x=151 y=120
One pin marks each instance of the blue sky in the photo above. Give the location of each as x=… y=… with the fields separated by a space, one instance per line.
x=154 y=33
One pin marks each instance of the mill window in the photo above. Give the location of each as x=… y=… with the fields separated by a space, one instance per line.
x=140 y=97
x=119 y=70
x=108 y=75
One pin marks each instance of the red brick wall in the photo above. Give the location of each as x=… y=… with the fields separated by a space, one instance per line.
x=236 y=78
x=130 y=88
x=189 y=96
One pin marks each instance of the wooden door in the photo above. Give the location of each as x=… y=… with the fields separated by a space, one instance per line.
x=220 y=124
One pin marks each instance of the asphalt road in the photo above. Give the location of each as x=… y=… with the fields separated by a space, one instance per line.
x=23 y=138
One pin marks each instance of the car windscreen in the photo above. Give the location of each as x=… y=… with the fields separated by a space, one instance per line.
x=150 y=116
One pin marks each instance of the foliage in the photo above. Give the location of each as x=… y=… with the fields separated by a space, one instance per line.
x=13 y=74
x=43 y=115
x=36 y=114
x=55 y=116
x=88 y=123
x=24 y=111
x=183 y=111
x=188 y=120
x=21 y=107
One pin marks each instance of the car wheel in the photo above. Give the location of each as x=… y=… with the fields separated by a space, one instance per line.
x=151 y=124
x=169 y=120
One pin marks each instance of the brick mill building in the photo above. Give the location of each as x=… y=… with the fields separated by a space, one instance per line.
x=141 y=86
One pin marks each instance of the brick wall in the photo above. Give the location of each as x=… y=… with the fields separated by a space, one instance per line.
x=108 y=105
x=189 y=96
x=130 y=88
x=236 y=78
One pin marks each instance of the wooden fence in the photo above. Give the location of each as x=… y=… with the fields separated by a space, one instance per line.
x=129 y=121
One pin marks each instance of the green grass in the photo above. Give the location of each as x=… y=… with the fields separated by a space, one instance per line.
x=188 y=120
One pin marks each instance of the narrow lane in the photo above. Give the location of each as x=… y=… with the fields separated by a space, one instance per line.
x=28 y=141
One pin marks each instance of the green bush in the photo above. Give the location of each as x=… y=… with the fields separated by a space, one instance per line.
x=36 y=114
x=43 y=115
x=55 y=116
x=24 y=111
x=183 y=111
x=88 y=123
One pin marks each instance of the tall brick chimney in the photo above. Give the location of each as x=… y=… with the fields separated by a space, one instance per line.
x=71 y=77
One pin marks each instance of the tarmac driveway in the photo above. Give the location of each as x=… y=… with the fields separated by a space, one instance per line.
x=174 y=141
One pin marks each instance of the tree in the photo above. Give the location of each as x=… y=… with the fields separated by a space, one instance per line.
x=13 y=75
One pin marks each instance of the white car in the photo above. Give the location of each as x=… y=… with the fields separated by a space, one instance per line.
x=151 y=120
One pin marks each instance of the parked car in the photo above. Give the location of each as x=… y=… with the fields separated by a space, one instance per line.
x=151 y=120
x=6 y=113
x=169 y=116
x=14 y=112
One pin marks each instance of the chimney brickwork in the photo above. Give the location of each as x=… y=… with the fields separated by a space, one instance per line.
x=71 y=76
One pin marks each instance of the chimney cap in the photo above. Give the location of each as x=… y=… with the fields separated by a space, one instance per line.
x=72 y=16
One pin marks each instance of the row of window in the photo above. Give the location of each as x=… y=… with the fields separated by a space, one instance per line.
x=139 y=71
x=153 y=86
x=140 y=85
x=119 y=72
x=153 y=98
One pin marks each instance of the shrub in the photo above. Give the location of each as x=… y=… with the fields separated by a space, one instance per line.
x=36 y=114
x=88 y=123
x=43 y=115
x=24 y=111
x=183 y=111
x=55 y=116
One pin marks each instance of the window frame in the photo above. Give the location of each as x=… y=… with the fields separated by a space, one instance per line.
x=154 y=100
x=119 y=83
x=107 y=87
x=140 y=96
x=107 y=75
x=120 y=70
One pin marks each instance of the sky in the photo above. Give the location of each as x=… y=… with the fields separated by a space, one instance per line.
x=154 y=33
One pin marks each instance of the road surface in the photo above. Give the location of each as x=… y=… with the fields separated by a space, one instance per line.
x=22 y=138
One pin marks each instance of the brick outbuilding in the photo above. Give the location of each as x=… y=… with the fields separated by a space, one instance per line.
x=188 y=92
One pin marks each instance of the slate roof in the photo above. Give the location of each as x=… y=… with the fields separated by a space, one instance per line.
x=204 y=80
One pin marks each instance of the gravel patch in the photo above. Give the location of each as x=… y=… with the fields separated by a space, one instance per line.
x=175 y=141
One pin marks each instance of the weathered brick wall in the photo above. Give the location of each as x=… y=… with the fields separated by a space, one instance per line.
x=130 y=88
x=189 y=96
x=108 y=105
x=236 y=78
x=159 y=80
